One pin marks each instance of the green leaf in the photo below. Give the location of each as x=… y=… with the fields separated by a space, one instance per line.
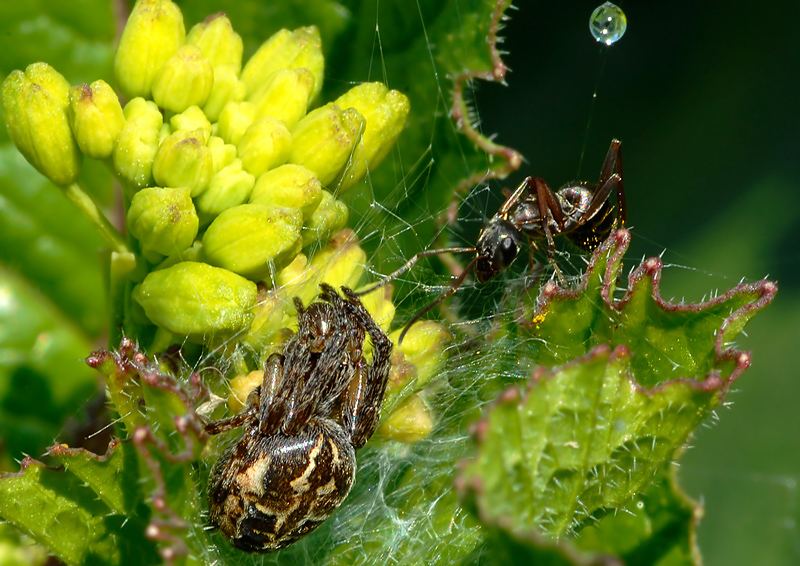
x=71 y=518
x=112 y=477
x=588 y=436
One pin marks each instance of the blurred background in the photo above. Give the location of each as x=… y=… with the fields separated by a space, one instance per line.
x=706 y=99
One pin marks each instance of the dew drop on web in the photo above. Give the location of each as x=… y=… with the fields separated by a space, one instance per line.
x=608 y=23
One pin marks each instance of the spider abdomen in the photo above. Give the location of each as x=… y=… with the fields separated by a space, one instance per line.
x=268 y=491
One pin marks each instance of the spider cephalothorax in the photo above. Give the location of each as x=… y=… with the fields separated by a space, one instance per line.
x=318 y=403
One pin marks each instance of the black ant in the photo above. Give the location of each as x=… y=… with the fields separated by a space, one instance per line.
x=580 y=211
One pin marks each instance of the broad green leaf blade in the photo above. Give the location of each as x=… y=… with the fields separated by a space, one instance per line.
x=656 y=528
x=60 y=512
x=585 y=438
x=581 y=440
x=112 y=477
x=668 y=340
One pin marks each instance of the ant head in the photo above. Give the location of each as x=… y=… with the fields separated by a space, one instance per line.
x=498 y=246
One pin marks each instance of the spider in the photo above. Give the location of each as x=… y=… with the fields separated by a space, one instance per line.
x=580 y=211
x=318 y=403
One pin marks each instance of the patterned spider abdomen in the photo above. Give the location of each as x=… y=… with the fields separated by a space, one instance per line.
x=267 y=491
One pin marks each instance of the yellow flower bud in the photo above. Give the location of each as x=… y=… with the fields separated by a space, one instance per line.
x=228 y=188
x=341 y=262
x=234 y=120
x=386 y=114
x=254 y=240
x=284 y=95
x=137 y=144
x=241 y=387
x=226 y=88
x=153 y=34
x=286 y=49
x=35 y=108
x=222 y=154
x=411 y=422
x=424 y=345
x=329 y=217
x=183 y=160
x=96 y=117
x=196 y=300
x=218 y=42
x=289 y=185
x=191 y=119
x=265 y=145
x=323 y=141
x=185 y=80
x=163 y=220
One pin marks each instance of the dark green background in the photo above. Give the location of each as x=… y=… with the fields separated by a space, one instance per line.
x=706 y=99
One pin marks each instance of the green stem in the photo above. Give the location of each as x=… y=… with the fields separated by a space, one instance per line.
x=77 y=196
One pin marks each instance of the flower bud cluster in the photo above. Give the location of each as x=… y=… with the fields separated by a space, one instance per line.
x=229 y=168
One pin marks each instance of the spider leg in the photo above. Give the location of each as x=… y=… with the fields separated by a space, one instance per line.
x=224 y=425
x=364 y=408
x=408 y=265
x=277 y=395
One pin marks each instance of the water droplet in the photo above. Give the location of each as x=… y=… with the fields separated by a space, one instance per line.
x=608 y=23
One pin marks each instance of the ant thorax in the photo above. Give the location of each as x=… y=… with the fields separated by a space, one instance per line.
x=575 y=201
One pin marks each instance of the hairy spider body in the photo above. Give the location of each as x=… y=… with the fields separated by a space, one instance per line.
x=582 y=212
x=318 y=403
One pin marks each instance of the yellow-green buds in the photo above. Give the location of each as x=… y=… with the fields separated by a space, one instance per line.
x=253 y=240
x=265 y=145
x=234 y=120
x=153 y=34
x=323 y=141
x=184 y=80
x=163 y=220
x=35 y=108
x=328 y=218
x=241 y=386
x=197 y=300
x=218 y=42
x=386 y=113
x=137 y=143
x=183 y=160
x=284 y=96
x=341 y=262
x=411 y=422
x=222 y=154
x=96 y=117
x=298 y=49
x=424 y=346
x=226 y=88
x=191 y=119
x=228 y=188
x=289 y=185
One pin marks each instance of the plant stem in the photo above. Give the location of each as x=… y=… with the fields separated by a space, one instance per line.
x=78 y=196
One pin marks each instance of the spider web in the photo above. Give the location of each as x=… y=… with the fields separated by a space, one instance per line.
x=751 y=498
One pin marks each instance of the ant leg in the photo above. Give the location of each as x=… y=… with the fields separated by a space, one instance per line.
x=408 y=265
x=512 y=200
x=549 y=207
x=453 y=288
x=611 y=166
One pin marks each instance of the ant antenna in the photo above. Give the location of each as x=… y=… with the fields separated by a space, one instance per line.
x=409 y=264
x=453 y=288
